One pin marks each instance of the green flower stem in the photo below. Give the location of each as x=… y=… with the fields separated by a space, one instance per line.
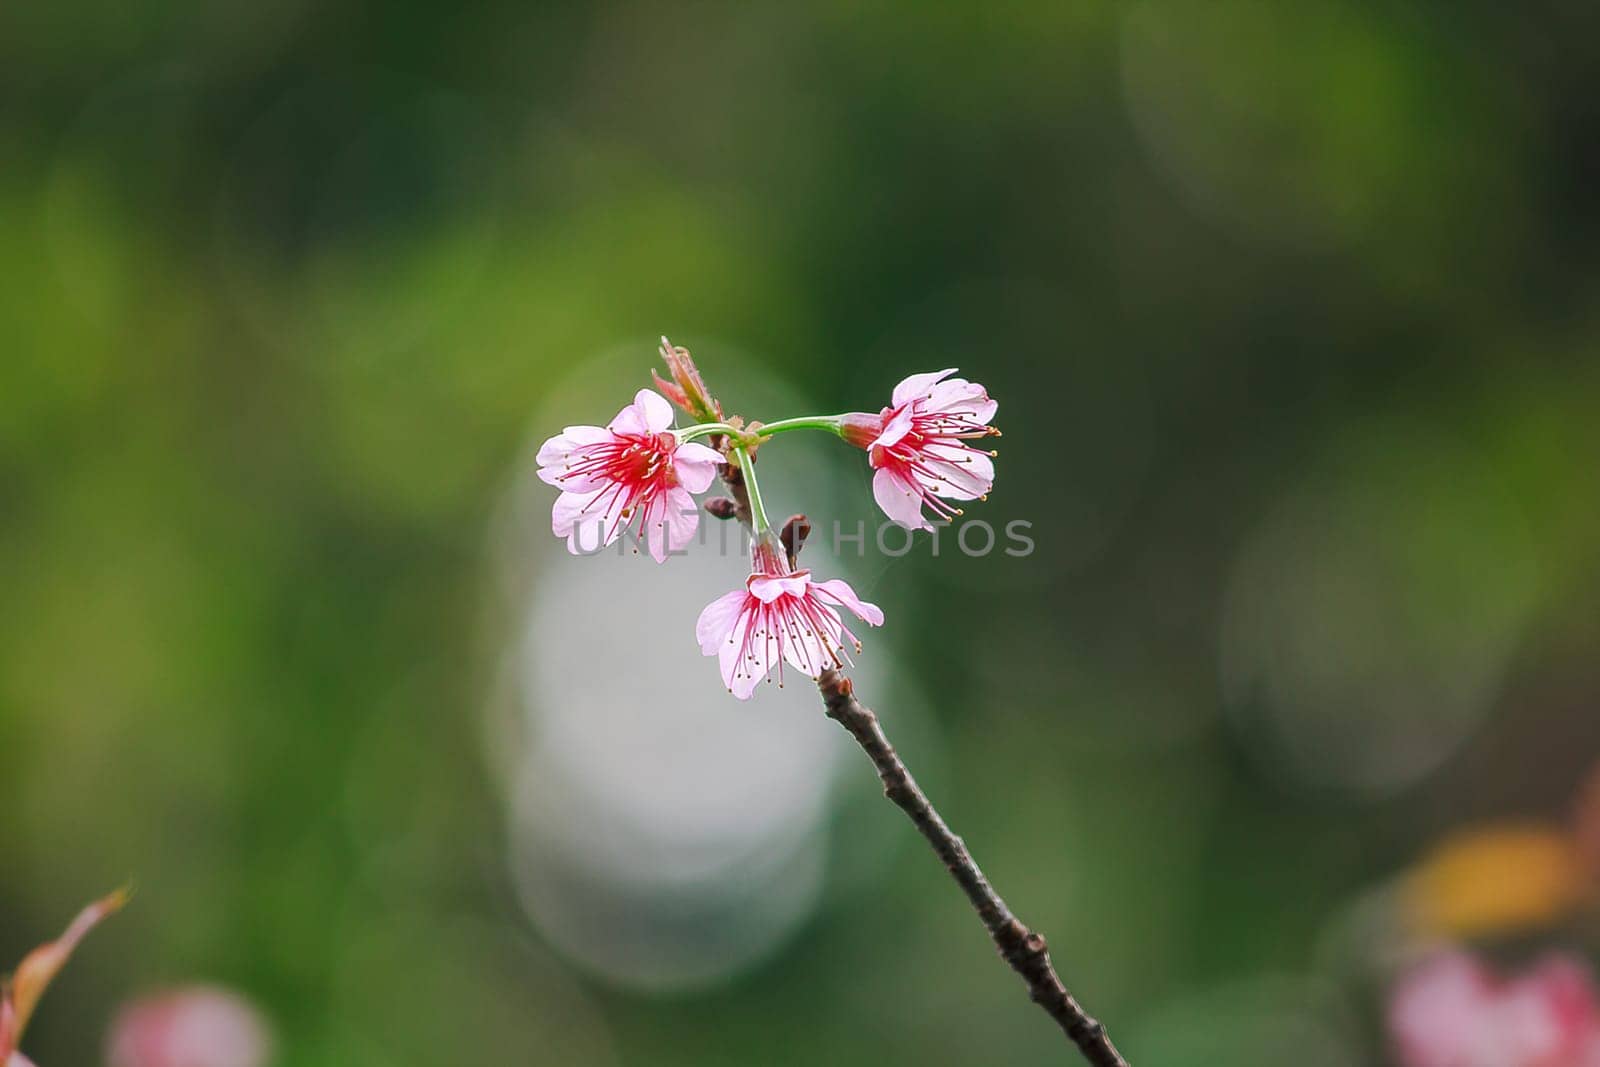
x=703 y=429
x=758 y=516
x=804 y=422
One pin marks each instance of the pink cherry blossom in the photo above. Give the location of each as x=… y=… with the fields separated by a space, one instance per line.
x=1451 y=1011
x=780 y=614
x=918 y=447
x=635 y=470
x=201 y=1026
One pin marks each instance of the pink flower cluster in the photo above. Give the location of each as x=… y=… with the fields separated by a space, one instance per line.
x=918 y=447
x=1452 y=1011
x=633 y=470
x=639 y=472
x=781 y=615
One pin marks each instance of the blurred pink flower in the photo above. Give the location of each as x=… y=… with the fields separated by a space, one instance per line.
x=779 y=615
x=917 y=445
x=20 y=993
x=636 y=468
x=201 y=1026
x=1451 y=1011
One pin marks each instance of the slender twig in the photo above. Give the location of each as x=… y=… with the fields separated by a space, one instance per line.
x=733 y=478
x=1021 y=947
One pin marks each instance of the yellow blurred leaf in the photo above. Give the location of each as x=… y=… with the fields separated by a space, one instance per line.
x=1495 y=880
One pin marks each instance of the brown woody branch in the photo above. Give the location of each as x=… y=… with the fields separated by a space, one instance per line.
x=1021 y=947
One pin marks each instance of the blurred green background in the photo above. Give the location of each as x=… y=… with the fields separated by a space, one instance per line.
x=1292 y=311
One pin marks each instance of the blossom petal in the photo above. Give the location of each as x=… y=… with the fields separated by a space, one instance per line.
x=670 y=520
x=983 y=410
x=589 y=521
x=560 y=452
x=631 y=421
x=577 y=437
x=899 y=499
x=745 y=659
x=567 y=510
x=894 y=428
x=197 y=1026
x=1433 y=1014
x=654 y=409
x=767 y=588
x=959 y=396
x=696 y=466
x=838 y=590
x=808 y=649
x=682 y=518
x=556 y=474
x=917 y=385
x=715 y=624
x=957 y=472
x=653 y=526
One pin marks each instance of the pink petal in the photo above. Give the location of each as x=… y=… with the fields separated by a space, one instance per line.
x=569 y=439
x=567 y=510
x=918 y=385
x=898 y=500
x=198 y=1027
x=961 y=473
x=766 y=588
x=631 y=421
x=589 y=521
x=654 y=409
x=1567 y=991
x=556 y=475
x=715 y=624
x=743 y=669
x=809 y=652
x=652 y=521
x=840 y=592
x=670 y=520
x=683 y=519
x=1525 y=1026
x=558 y=454
x=961 y=396
x=894 y=430
x=1436 y=1008
x=696 y=466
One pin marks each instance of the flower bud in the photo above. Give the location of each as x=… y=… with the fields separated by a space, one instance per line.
x=20 y=993
x=686 y=389
x=793 y=535
x=860 y=429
